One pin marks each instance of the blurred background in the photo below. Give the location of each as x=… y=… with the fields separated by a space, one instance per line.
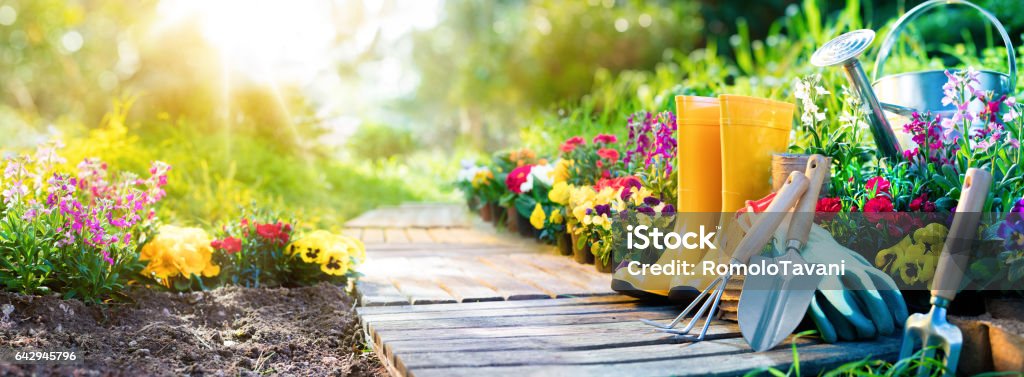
x=326 y=108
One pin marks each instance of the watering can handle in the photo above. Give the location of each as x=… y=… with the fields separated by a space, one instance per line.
x=890 y=39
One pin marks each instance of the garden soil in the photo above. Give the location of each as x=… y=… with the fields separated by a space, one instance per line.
x=309 y=331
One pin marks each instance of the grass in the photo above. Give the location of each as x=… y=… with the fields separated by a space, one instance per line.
x=215 y=172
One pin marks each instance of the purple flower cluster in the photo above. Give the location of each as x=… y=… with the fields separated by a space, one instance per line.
x=101 y=213
x=1012 y=230
x=651 y=141
x=927 y=133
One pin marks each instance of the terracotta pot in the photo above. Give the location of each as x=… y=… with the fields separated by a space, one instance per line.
x=604 y=266
x=511 y=219
x=525 y=228
x=497 y=212
x=564 y=242
x=486 y=212
x=581 y=255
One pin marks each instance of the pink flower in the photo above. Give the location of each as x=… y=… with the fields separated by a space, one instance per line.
x=605 y=139
x=608 y=154
x=571 y=144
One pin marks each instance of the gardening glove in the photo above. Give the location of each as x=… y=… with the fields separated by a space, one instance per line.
x=863 y=304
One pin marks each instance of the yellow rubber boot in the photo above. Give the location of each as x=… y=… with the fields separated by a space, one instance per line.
x=752 y=130
x=700 y=193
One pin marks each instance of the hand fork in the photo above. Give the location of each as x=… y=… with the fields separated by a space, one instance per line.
x=932 y=330
x=761 y=232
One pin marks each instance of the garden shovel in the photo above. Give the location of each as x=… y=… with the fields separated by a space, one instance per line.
x=932 y=330
x=771 y=306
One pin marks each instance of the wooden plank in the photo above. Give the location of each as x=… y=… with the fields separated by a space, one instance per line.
x=540 y=338
x=418 y=235
x=627 y=351
x=373 y=235
x=395 y=235
x=501 y=282
x=552 y=284
x=567 y=269
x=379 y=292
x=596 y=300
x=519 y=311
x=610 y=315
x=356 y=233
x=813 y=357
x=467 y=290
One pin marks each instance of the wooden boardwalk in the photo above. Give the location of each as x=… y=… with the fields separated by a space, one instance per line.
x=456 y=298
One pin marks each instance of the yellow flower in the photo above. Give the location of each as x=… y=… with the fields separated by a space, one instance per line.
x=559 y=193
x=556 y=216
x=177 y=251
x=311 y=247
x=537 y=217
x=336 y=254
x=335 y=262
x=482 y=177
x=932 y=234
x=561 y=171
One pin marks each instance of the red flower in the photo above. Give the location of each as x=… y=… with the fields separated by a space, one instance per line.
x=628 y=181
x=276 y=233
x=875 y=209
x=608 y=154
x=517 y=177
x=921 y=204
x=605 y=139
x=572 y=143
x=879 y=185
x=230 y=245
x=827 y=208
x=831 y=205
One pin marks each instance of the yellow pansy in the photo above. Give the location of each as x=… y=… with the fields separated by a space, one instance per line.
x=556 y=217
x=311 y=247
x=178 y=251
x=335 y=262
x=559 y=193
x=537 y=217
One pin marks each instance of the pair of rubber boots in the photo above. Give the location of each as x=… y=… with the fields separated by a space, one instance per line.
x=725 y=147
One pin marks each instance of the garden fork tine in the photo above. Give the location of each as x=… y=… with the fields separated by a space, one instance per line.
x=932 y=329
x=759 y=235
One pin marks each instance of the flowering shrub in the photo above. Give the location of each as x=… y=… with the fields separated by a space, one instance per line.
x=586 y=163
x=260 y=250
x=252 y=251
x=651 y=152
x=75 y=233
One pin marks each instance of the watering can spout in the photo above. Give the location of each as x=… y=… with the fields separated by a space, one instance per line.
x=885 y=138
x=843 y=51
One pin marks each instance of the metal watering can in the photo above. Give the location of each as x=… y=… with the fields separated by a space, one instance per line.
x=903 y=94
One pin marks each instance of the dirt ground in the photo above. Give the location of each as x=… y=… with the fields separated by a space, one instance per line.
x=310 y=331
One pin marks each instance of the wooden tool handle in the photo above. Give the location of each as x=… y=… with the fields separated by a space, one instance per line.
x=817 y=171
x=767 y=222
x=956 y=251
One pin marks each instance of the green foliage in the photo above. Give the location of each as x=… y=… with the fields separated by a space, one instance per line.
x=380 y=142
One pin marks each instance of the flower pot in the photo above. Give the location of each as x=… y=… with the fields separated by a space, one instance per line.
x=564 y=242
x=525 y=228
x=497 y=212
x=511 y=219
x=605 y=266
x=785 y=163
x=486 y=212
x=581 y=255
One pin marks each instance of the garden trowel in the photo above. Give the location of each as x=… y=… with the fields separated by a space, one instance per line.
x=932 y=330
x=772 y=305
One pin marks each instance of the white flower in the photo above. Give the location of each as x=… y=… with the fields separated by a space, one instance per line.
x=821 y=90
x=539 y=173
